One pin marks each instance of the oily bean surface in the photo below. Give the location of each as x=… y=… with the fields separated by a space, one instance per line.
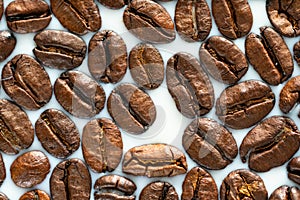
x=2 y=170
x=114 y=4
x=7 y=44
x=3 y=196
x=285 y=193
x=35 y=195
x=296 y=50
x=289 y=95
x=293 y=169
x=159 y=191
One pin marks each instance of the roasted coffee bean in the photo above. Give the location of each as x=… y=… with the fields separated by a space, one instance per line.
x=102 y=145
x=114 y=4
x=233 y=17
x=296 y=50
x=223 y=60
x=146 y=66
x=149 y=21
x=70 y=179
x=189 y=85
x=112 y=187
x=243 y=105
x=159 y=191
x=289 y=95
x=2 y=170
x=3 y=196
x=284 y=16
x=131 y=108
x=1 y=8
x=79 y=94
x=107 y=57
x=193 y=20
x=7 y=44
x=59 y=49
x=16 y=131
x=78 y=17
x=154 y=160
x=293 y=169
x=57 y=133
x=270 y=144
x=209 y=143
x=29 y=169
x=26 y=82
x=199 y=184
x=27 y=16
x=243 y=184
x=285 y=193
x=35 y=195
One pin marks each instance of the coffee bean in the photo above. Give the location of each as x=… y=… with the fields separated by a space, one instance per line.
x=223 y=60
x=131 y=108
x=149 y=21
x=289 y=95
x=78 y=17
x=116 y=4
x=57 y=133
x=209 y=143
x=159 y=191
x=284 y=16
x=3 y=196
x=233 y=17
x=16 y=131
x=102 y=145
x=199 y=184
x=285 y=193
x=270 y=144
x=296 y=50
x=193 y=20
x=189 y=85
x=2 y=170
x=7 y=44
x=26 y=82
x=107 y=57
x=70 y=179
x=114 y=187
x=146 y=66
x=59 y=49
x=293 y=169
x=243 y=184
x=29 y=169
x=269 y=55
x=35 y=195
x=27 y=16
x=79 y=94
x=243 y=105
x=1 y=8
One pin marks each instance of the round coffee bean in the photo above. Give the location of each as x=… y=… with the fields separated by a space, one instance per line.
x=2 y=170
x=57 y=133
x=3 y=196
x=7 y=44
x=35 y=195
x=293 y=169
x=285 y=193
x=289 y=95
x=296 y=50
x=116 y=4
x=159 y=191
x=29 y=169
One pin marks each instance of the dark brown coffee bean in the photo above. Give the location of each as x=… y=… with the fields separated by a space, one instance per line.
x=27 y=16
x=285 y=193
x=26 y=82
x=209 y=143
x=35 y=195
x=114 y=4
x=70 y=179
x=159 y=191
x=1 y=8
x=107 y=57
x=7 y=44
x=102 y=145
x=193 y=20
x=2 y=170
x=114 y=187
x=296 y=50
x=270 y=144
x=149 y=21
x=243 y=105
x=78 y=17
x=199 y=184
x=3 y=196
x=29 y=169
x=78 y=94
x=146 y=66
x=131 y=108
x=16 y=131
x=293 y=169
x=189 y=85
x=284 y=16
x=233 y=17
x=269 y=55
x=59 y=49
x=243 y=184
x=57 y=133
x=289 y=95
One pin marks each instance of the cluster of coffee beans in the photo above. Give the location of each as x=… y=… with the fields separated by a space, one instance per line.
x=203 y=87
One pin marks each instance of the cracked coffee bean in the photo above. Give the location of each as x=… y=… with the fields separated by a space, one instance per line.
x=243 y=105
x=270 y=144
x=3 y=196
x=296 y=50
x=107 y=57
x=159 y=191
x=102 y=145
x=293 y=169
x=59 y=49
x=77 y=16
x=114 y=187
x=57 y=133
x=209 y=143
x=285 y=193
x=131 y=108
x=26 y=82
x=114 y=4
x=149 y=21
x=2 y=170
x=154 y=160
x=243 y=184
x=289 y=95
x=35 y=195
x=7 y=44
x=189 y=85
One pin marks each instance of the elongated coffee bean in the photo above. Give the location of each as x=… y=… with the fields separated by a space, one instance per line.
x=2 y=170
x=35 y=195
x=159 y=190
x=289 y=95
x=59 y=49
x=7 y=44
x=293 y=169
x=296 y=50
x=115 y=4
x=285 y=193
x=1 y=8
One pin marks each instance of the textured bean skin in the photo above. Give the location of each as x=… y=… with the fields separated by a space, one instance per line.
x=7 y=44
x=285 y=193
x=289 y=95
x=114 y=4
x=159 y=191
x=293 y=169
x=296 y=50
x=2 y=170
x=35 y=195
